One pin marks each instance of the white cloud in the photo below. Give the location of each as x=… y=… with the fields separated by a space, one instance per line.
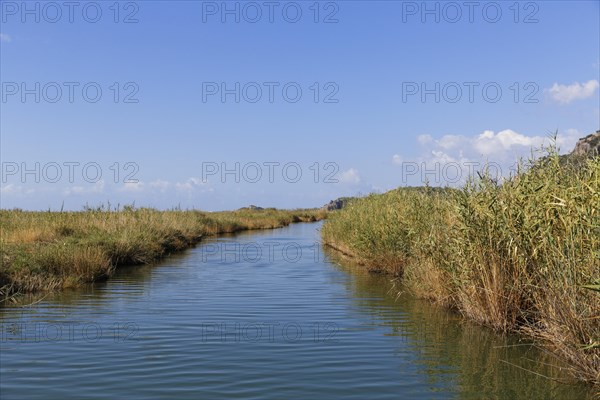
x=192 y=184
x=350 y=176
x=12 y=189
x=567 y=140
x=424 y=139
x=441 y=157
x=449 y=141
x=566 y=94
x=132 y=187
x=136 y=187
x=490 y=144
x=97 y=187
x=5 y=38
x=160 y=185
x=163 y=186
x=451 y=158
x=9 y=189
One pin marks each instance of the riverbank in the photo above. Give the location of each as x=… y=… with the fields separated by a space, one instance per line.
x=54 y=250
x=515 y=256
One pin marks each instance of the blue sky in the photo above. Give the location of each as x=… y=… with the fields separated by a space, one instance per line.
x=368 y=127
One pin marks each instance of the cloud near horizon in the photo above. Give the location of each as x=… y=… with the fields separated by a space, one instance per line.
x=565 y=94
x=97 y=187
x=350 y=176
x=470 y=153
x=491 y=145
x=162 y=186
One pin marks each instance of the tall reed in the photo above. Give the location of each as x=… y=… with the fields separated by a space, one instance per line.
x=514 y=256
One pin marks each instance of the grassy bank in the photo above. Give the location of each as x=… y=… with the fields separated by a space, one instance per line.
x=514 y=256
x=51 y=250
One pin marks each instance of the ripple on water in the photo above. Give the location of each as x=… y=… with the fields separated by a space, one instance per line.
x=201 y=327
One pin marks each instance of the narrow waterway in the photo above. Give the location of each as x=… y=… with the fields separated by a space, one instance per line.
x=266 y=314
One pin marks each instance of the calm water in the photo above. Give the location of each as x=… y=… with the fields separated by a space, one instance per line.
x=254 y=316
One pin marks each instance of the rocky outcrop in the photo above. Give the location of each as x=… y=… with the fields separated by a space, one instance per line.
x=588 y=146
x=337 y=204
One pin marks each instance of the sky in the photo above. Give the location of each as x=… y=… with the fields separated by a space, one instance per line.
x=219 y=105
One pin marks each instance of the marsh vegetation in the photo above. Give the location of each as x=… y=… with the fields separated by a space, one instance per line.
x=51 y=250
x=519 y=255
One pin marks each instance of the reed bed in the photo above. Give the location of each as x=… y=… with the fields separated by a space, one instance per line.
x=51 y=250
x=521 y=255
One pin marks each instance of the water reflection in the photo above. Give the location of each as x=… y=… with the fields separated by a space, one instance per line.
x=501 y=366
x=204 y=324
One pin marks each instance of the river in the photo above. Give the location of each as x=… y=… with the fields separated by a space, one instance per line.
x=260 y=315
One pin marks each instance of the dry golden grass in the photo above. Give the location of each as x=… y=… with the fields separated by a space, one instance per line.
x=50 y=250
x=512 y=256
x=31 y=235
